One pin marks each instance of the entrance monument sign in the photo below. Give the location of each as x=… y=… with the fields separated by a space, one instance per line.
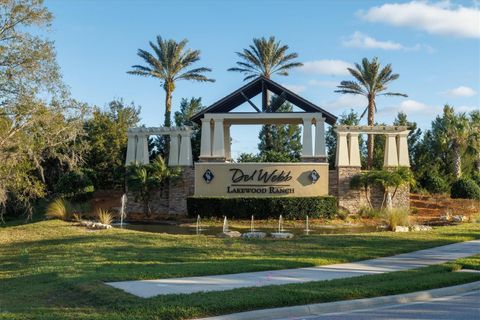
x=261 y=179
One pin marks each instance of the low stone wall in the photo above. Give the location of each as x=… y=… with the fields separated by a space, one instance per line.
x=354 y=200
x=172 y=200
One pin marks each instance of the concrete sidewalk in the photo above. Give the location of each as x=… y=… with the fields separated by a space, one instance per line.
x=371 y=307
x=406 y=261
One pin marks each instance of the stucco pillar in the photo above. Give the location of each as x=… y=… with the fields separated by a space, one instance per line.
x=402 y=147
x=141 y=155
x=341 y=157
x=205 y=142
x=354 y=150
x=320 y=138
x=391 y=155
x=185 y=157
x=218 y=149
x=228 y=142
x=307 y=138
x=173 y=152
x=131 y=148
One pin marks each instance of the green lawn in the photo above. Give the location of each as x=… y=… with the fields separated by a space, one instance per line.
x=52 y=269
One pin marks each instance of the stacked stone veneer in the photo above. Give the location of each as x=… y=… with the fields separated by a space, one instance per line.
x=172 y=200
x=354 y=200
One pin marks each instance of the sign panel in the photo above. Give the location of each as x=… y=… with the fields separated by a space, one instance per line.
x=261 y=179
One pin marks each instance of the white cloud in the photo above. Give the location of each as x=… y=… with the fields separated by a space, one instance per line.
x=436 y=18
x=364 y=41
x=461 y=91
x=360 y=40
x=349 y=101
x=297 y=88
x=328 y=67
x=323 y=83
x=412 y=106
x=467 y=108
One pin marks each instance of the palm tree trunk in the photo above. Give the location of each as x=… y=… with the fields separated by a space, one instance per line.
x=371 y=121
x=168 y=106
x=457 y=161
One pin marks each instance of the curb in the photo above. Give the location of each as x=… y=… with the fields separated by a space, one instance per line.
x=349 y=305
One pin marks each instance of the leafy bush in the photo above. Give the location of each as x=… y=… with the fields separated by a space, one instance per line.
x=59 y=209
x=434 y=183
x=75 y=185
x=104 y=216
x=465 y=189
x=262 y=208
x=397 y=217
x=476 y=177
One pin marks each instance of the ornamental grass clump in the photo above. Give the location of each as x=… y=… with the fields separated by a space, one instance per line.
x=397 y=217
x=105 y=217
x=59 y=209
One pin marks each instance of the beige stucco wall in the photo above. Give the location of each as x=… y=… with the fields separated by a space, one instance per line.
x=288 y=179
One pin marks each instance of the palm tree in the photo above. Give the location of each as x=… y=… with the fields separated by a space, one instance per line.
x=457 y=136
x=265 y=57
x=372 y=81
x=143 y=179
x=168 y=64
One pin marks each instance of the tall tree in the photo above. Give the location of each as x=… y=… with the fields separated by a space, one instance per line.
x=285 y=140
x=454 y=132
x=371 y=81
x=182 y=118
x=265 y=57
x=39 y=123
x=106 y=135
x=169 y=63
x=352 y=119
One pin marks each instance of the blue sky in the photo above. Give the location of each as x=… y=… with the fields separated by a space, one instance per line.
x=433 y=45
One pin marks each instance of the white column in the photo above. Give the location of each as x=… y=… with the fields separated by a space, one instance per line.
x=354 y=150
x=185 y=158
x=218 y=149
x=142 y=149
x=228 y=142
x=402 y=147
x=307 y=138
x=131 y=148
x=173 y=152
x=391 y=156
x=205 y=142
x=342 y=158
x=320 y=138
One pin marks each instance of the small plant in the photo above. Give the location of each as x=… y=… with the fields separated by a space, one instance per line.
x=397 y=217
x=59 y=209
x=105 y=217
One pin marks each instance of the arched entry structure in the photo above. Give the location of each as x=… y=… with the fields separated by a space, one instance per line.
x=180 y=151
x=217 y=176
x=347 y=165
x=217 y=119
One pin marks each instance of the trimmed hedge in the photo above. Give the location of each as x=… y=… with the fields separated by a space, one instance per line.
x=262 y=208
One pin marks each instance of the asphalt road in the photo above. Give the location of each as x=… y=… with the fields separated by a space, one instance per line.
x=458 y=307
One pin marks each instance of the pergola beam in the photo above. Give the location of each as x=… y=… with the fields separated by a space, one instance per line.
x=250 y=102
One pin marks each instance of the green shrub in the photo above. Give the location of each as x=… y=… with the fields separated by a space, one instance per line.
x=465 y=189
x=59 y=209
x=75 y=185
x=263 y=208
x=434 y=183
x=476 y=177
